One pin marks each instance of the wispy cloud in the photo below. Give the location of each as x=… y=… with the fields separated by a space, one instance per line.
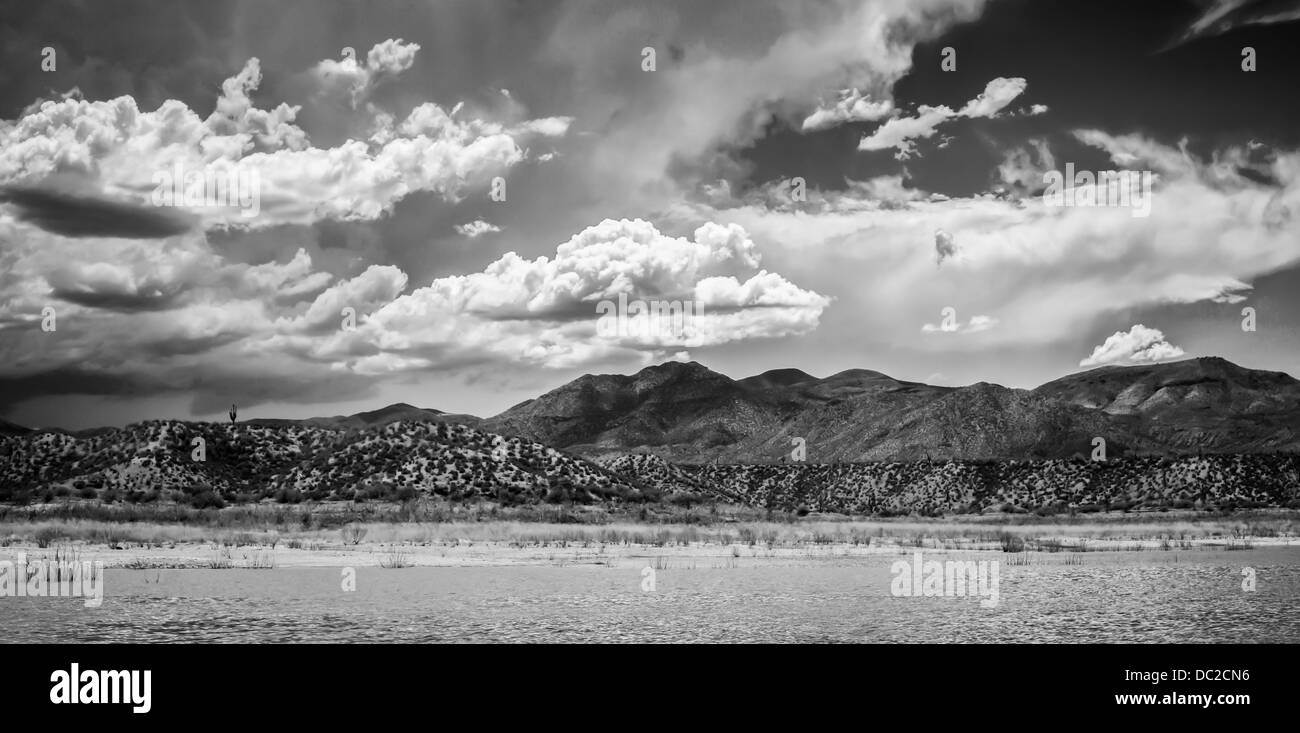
x=1223 y=16
x=900 y=132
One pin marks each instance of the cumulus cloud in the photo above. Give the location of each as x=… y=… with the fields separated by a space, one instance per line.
x=148 y=317
x=901 y=132
x=364 y=294
x=476 y=228
x=544 y=311
x=852 y=106
x=232 y=304
x=1139 y=344
x=997 y=94
x=125 y=154
x=177 y=316
x=357 y=78
x=1048 y=273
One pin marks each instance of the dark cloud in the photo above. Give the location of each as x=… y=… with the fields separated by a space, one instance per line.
x=120 y=302
x=211 y=388
x=150 y=50
x=72 y=215
x=69 y=380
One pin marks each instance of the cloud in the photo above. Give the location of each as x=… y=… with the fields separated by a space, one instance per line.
x=544 y=311
x=881 y=192
x=974 y=325
x=251 y=305
x=656 y=137
x=944 y=246
x=1049 y=273
x=900 y=132
x=365 y=294
x=1222 y=16
x=87 y=216
x=124 y=154
x=997 y=94
x=357 y=79
x=1139 y=344
x=1134 y=150
x=1231 y=293
x=171 y=316
x=476 y=228
x=1022 y=168
x=852 y=106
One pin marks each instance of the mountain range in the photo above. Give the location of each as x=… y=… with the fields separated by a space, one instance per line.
x=689 y=414
x=1202 y=433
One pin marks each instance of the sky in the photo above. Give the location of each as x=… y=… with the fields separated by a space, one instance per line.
x=316 y=208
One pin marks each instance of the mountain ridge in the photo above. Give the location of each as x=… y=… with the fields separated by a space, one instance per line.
x=687 y=413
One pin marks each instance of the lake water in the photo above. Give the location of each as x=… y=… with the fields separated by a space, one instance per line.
x=1191 y=596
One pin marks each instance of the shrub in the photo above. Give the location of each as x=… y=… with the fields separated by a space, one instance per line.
x=205 y=499
x=288 y=495
x=1011 y=542
x=45 y=535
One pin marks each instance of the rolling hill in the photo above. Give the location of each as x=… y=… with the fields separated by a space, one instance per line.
x=160 y=460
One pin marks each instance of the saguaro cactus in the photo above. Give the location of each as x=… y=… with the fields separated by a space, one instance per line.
x=233 y=413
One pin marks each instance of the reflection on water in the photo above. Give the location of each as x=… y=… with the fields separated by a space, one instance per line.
x=1110 y=597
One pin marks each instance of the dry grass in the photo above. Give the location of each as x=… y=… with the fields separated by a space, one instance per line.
x=394 y=557
x=991 y=532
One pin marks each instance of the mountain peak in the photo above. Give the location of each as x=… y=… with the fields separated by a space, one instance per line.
x=686 y=412
x=857 y=374
x=778 y=378
x=676 y=367
x=397 y=408
x=676 y=372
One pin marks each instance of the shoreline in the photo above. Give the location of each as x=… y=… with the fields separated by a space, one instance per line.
x=627 y=543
